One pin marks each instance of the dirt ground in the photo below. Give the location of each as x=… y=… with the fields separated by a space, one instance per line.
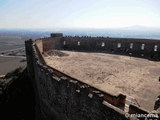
x=113 y=73
x=8 y=63
x=9 y=47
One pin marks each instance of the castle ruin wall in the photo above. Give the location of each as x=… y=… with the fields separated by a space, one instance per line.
x=127 y=46
x=62 y=97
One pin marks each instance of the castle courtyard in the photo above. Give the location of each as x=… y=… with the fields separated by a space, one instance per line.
x=112 y=73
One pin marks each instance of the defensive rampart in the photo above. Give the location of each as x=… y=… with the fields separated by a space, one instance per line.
x=62 y=97
x=133 y=47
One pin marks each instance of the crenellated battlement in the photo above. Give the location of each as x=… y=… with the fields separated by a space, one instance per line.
x=144 y=48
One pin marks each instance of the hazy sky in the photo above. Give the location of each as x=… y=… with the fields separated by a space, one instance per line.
x=78 y=13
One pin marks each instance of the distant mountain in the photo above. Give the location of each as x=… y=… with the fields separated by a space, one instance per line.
x=137 y=27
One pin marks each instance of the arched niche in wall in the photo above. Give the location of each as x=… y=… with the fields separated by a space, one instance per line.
x=79 y=43
x=103 y=44
x=155 y=48
x=142 y=46
x=64 y=42
x=119 y=45
x=131 y=46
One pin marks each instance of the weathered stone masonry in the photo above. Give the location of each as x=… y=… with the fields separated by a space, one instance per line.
x=62 y=97
x=137 y=47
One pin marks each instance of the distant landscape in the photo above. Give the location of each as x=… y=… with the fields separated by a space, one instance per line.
x=12 y=49
x=128 y=32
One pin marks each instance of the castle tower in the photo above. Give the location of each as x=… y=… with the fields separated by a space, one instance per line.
x=29 y=56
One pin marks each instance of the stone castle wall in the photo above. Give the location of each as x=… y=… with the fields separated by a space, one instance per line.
x=62 y=97
x=115 y=44
x=125 y=46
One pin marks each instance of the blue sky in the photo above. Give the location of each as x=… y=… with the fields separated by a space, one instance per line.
x=79 y=13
